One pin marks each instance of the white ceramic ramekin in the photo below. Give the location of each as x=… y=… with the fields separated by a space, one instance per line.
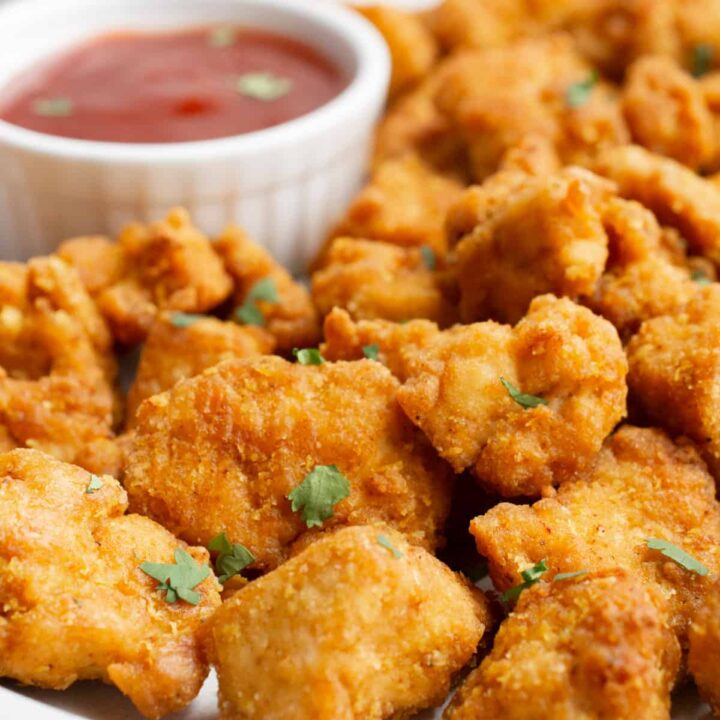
x=285 y=185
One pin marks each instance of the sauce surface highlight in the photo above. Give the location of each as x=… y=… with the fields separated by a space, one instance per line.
x=181 y=86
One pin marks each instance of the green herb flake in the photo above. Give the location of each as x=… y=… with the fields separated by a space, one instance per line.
x=530 y=576
x=317 y=494
x=53 y=107
x=249 y=313
x=382 y=540
x=222 y=36
x=232 y=557
x=522 y=399
x=677 y=555
x=371 y=352
x=579 y=93
x=700 y=277
x=178 y=580
x=93 y=485
x=183 y=320
x=263 y=86
x=428 y=257
x=477 y=571
x=308 y=356
x=702 y=59
x=569 y=575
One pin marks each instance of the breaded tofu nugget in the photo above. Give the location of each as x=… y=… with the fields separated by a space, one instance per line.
x=56 y=366
x=704 y=654
x=675 y=194
x=76 y=604
x=289 y=314
x=413 y=48
x=222 y=451
x=674 y=373
x=468 y=389
x=361 y=625
x=180 y=346
x=643 y=486
x=540 y=86
x=666 y=112
x=167 y=265
x=378 y=280
x=583 y=648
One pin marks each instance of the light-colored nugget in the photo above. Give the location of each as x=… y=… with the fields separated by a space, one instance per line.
x=220 y=453
x=361 y=625
x=704 y=654
x=560 y=352
x=76 y=605
x=592 y=647
x=643 y=486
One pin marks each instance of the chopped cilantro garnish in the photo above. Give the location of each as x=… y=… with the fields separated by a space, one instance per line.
x=53 y=107
x=677 y=555
x=382 y=540
x=222 y=36
x=308 y=356
x=477 y=571
x=530 y=576
x=702 y=59
x=317 y=494
x=522 y=399
x=569 y=575
x=178 y=579
x=428 y=256
x=263 y=86
x=183 y=320
x=579 y=93
x=371 y=352
x=263 y=290
x=700 y=277
x=93 y=485
x=232 y=557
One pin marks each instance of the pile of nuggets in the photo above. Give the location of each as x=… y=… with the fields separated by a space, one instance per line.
x=515 y=327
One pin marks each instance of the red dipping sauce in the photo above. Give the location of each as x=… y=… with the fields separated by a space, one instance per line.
x=196 y=84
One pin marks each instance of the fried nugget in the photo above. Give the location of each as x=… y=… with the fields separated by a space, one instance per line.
x=378 y=280
x=291 y=318
x=75 y=603
x=560 y=352
x=361 y=624
x=704 y=654
x=167 y=265
x=675 y=194
x=596 y=646
x=642 y=486
x=222 y=451
x=675 y=372
x=182 y=346
x=495 y=98
x=666 y=112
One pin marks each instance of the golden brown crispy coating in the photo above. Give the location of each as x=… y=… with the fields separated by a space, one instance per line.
x=596 y=646
x=175 y=351
x=346 y=339
x=413 y=49
x=75 y=603
x=495 y=98
x=292 y=320
x=346 y=630
x=56 y=366
x=167 y=265
x=560 y=352
x=404 y=204
x=704 y=654
x=675 y=372
x=642 y=486
x=221 y=452
x=675 y=194
x=666 y=112
x=378 y=280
